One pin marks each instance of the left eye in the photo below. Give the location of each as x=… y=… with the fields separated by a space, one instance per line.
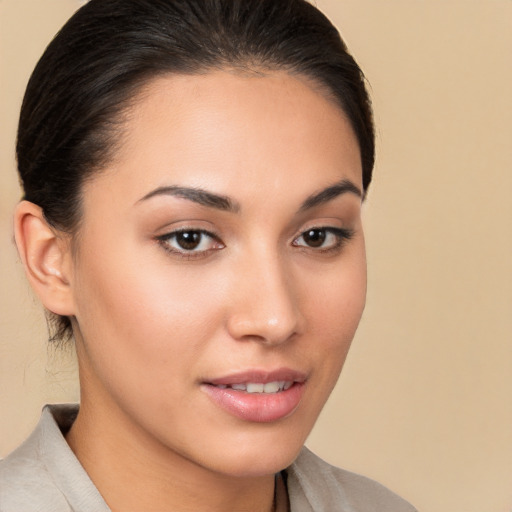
x=189 y=241
x=323 y=238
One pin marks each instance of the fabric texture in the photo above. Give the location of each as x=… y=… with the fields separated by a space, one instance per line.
x=43 y=475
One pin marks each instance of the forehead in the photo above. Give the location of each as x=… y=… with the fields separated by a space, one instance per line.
x=231 y=132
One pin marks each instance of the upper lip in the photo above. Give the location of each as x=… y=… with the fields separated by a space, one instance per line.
x=258 y=376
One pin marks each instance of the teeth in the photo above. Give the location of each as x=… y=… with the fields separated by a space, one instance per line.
x=271 y=387
x=255 y=388
x=258 y=387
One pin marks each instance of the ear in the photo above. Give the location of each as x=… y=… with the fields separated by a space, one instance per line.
x=46 y=256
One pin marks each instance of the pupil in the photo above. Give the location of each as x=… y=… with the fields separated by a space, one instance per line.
x=315 y=237
x=188 y=239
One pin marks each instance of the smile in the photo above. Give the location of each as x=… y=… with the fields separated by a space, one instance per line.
x=258 y=396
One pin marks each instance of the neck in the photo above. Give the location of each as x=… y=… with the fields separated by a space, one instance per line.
x=134 y=472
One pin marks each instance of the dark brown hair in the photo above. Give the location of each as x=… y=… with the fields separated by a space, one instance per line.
x=72 y=110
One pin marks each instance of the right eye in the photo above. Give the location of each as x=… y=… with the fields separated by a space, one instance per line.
x=190 y=242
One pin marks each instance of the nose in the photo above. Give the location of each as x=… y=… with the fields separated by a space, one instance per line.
x=265 y=303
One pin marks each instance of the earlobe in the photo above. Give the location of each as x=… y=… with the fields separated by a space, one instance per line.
x=46 y=257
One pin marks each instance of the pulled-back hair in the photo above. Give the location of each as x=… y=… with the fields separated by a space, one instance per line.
x=71 y=117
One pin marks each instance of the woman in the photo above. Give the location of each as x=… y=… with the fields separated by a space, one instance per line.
x=193 y=174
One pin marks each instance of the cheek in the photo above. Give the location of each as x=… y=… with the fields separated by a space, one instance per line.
x=134 y=288
x=338 y=297
x=334 y=312
x=139 y=318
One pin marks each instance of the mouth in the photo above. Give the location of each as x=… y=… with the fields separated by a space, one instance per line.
x=256 y=396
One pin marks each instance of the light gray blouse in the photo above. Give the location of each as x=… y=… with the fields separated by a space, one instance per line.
x=43 y=475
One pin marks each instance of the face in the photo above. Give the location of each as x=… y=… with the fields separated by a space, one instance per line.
x=220 y=269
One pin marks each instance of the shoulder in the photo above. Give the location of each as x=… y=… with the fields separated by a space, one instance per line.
x=23 y=477
x=43 y=474
x=314 y=485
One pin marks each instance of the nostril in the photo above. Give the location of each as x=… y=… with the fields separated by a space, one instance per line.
x=273 y=330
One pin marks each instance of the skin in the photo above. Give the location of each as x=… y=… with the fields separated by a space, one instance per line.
x=151 y=324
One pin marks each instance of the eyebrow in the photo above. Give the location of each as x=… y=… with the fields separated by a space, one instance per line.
x=196 y=195
x=224 y=203
x=329 y=193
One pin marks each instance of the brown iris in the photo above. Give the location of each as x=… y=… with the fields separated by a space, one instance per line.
x=314 y=237
x=188 y=240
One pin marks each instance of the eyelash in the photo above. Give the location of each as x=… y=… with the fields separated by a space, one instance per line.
x=342 y=235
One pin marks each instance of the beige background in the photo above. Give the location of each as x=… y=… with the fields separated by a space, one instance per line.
x=425 y=401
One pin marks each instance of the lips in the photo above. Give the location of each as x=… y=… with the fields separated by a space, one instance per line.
x=258 y=396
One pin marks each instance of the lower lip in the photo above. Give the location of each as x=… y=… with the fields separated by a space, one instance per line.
x=257 y=407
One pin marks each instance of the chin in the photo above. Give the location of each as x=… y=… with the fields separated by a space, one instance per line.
x=261 y=455
x=263 y=463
